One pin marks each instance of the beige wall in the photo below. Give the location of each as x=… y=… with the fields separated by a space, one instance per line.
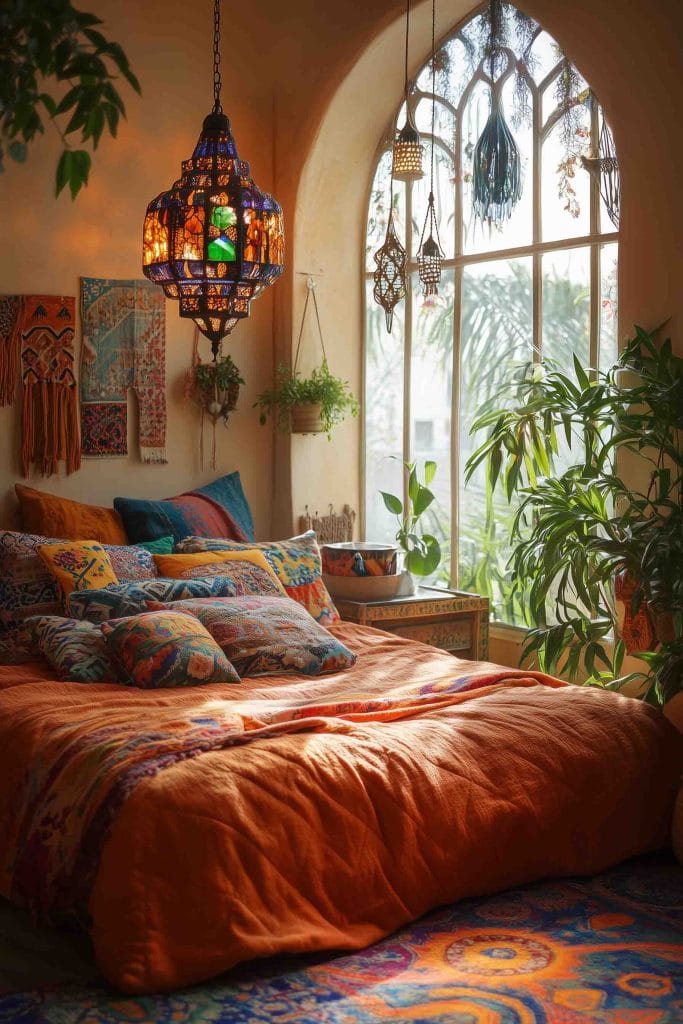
x=48 y=243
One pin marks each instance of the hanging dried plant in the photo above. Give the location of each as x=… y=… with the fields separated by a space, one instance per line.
x=567 y=90
x=497 y=172
x=526 y=31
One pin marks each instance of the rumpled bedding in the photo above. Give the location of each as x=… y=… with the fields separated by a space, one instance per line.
x=194 y=829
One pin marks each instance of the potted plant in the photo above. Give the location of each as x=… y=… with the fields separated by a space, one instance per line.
x=421 y=551
x=216 y=386
x=580 y=530
x=307 y=405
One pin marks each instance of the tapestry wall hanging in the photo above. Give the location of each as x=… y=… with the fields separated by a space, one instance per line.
x=124 y=346
x=37 y=339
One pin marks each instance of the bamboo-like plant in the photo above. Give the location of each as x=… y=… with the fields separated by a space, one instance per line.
x=577 y=528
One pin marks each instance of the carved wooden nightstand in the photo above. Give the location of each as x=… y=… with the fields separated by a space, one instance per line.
x=453 y=620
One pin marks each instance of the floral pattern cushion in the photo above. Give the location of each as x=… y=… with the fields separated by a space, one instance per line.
x=248 y=570
x=28 y=588
x=78 y=565
x=131 y=598
x=164 y=649
x=296 y=563
x=269 y=636
x=76 y=650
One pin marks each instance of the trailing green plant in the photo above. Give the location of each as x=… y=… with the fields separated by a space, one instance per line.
x=559 y=444
x=46 y=45
x=223 y=375
x=322 y=388
x=422 y=550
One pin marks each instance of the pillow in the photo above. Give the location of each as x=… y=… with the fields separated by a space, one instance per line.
x=269 y=636
x=47 y=513
x=132 y=598
x=162 y=546
x=76 y=650
x=78 y=565
x=165 y=648
x=218 y=510
x=296 y=563
x=18 y=645
x=28 y=588
x=248 y=570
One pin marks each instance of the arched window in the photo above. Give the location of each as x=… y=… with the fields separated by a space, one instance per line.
x=543 y=286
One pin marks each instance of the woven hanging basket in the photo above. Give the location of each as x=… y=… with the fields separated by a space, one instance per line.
x=306 y=419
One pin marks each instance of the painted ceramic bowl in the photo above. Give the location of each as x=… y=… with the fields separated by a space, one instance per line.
x=360 y=558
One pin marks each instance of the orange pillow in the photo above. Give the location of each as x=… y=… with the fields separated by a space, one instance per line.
x=185 y=567
x=59 y=517
x=79 y=565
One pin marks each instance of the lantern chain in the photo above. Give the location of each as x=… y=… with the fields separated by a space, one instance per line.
x=217 y=108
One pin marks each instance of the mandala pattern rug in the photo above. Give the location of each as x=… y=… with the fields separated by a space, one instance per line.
x=580 y=951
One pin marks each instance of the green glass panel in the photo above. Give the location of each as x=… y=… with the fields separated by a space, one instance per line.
x=223 y=217
x=222 y=249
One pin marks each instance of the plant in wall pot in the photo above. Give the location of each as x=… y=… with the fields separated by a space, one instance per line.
x=582 y=536
x=421 y=551
x=307 y=405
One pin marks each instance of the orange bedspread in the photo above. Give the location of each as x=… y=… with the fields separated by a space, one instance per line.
x=352 y=804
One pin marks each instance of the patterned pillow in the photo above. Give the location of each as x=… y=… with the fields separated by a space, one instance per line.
x=76 y=650
x=28 y=588
x=18 y=645
x=78 y=565
x=132 y=598
x=165 y=648
x=162 y=546
x=296 y=563
x=42 y=512
x=248 y=570
x=269 y=636
x=218 y=510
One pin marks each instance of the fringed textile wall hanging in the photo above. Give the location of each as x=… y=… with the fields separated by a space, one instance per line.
x=406 y=159
x=430 y=253
x=332 y=528
x=44 y=331
x=124 y=346
x=10 y=347
x=497 y=168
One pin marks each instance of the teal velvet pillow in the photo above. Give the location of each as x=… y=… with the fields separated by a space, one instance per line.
x=162 y=546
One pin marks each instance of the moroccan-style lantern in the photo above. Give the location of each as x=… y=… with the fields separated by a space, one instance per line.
x=390 y=272
x=407 y=151
x=214 y=241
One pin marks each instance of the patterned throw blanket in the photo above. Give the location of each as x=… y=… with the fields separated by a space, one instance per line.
x=88 y=764
x=124 y=346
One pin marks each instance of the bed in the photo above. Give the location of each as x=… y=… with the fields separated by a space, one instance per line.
x=191 y=830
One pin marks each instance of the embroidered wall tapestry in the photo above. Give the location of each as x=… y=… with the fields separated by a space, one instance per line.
x=124 y=346
x=37 y=334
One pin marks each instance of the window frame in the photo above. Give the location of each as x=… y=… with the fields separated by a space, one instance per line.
x=536 y=249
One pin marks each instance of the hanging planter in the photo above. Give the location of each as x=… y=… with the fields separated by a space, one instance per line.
x=497 y=169
x=307 y=405
x=390 y=274
x=215 y=387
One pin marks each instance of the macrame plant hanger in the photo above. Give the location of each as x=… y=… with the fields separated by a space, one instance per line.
x=310 y=291
x=430 y=253
x=390 y=273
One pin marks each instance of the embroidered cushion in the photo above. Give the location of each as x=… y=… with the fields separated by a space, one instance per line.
x=78 y=565
x=28 y=588
x=248 y=570
x=165 y=648
x=269 y=636
x=76 y=650
x=296 y=563
x=49 y=514
x=132 y=598
x=218 y=510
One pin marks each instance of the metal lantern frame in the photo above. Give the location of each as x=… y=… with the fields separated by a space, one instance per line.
x=214 y=241
x=408 y=151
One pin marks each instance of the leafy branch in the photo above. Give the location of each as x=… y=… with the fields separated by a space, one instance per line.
x=422 y=550
x=50 y=44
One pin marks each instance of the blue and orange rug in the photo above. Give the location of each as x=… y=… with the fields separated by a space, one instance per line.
x=579 y=951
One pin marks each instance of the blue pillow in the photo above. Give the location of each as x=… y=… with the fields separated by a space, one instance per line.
x=218 y=510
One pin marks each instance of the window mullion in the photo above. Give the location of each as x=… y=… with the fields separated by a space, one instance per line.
x=407 y=341
x=594 y=350
x=537 y=223
x=458 y=274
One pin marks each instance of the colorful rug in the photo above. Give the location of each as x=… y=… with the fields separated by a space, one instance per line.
x=605 y=950
x=124 y=346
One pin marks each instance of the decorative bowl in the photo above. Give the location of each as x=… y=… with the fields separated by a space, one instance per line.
x=363 y=588
x=360 y=559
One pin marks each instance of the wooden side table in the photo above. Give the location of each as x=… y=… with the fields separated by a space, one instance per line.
x=453 y=620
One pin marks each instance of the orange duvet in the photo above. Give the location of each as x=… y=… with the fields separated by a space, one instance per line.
x=204 y=827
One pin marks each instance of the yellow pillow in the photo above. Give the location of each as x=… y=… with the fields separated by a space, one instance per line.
x=78 y=565
x=214 y=563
